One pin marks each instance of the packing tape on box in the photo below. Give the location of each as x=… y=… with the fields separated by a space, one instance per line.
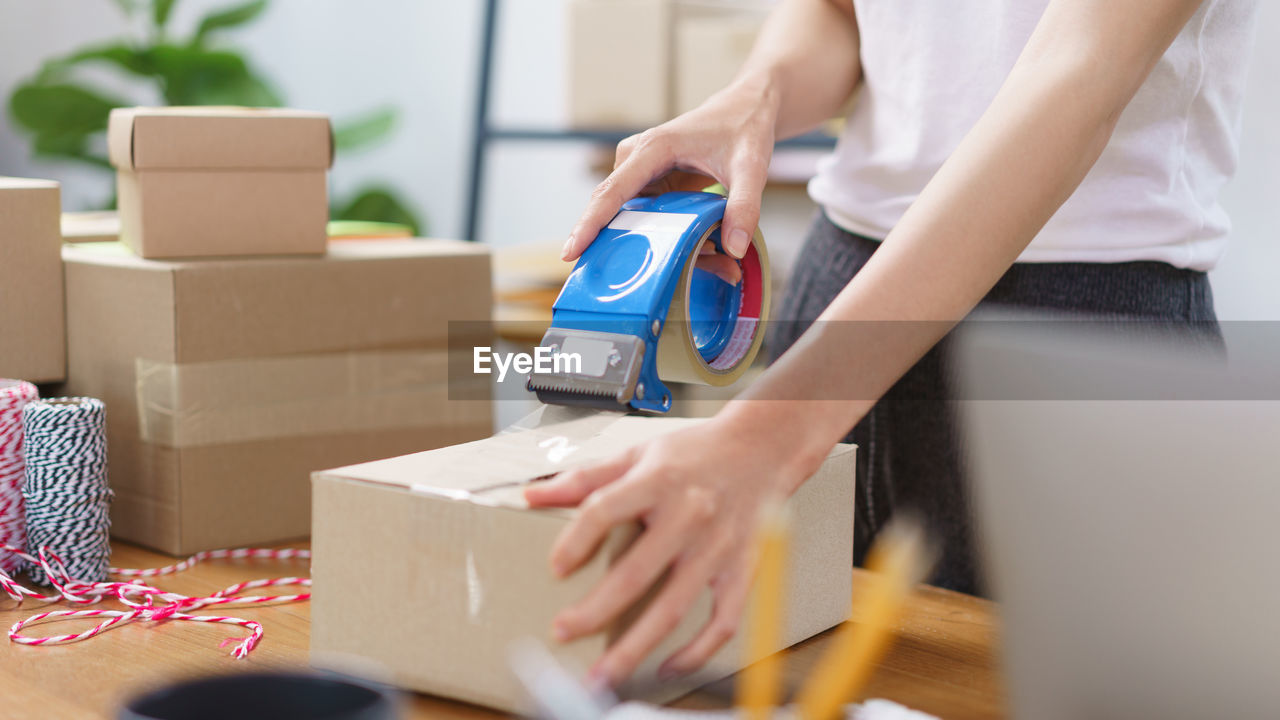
x=227 y=401
x=547 y=441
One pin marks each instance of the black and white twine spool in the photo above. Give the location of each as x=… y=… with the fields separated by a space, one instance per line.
x=65 y=489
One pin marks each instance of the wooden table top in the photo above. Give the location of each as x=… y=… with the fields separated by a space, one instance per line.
x=942 y=663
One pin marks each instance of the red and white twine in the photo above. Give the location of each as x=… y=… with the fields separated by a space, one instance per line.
x=14 y=395
x=144 y=603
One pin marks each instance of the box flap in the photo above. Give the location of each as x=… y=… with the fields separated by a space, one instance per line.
x=219 y=138
x=549 y=441
x=491 y=471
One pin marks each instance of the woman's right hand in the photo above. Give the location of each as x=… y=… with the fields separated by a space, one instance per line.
x=728 y=139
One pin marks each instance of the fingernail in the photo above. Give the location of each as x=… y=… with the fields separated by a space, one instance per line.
x=568 y=245
x=559 y=632
x=738 y=242
x=597 y=681
x=558 y=569
x=669 y=672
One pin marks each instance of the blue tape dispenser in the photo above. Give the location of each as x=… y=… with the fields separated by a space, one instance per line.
x=638 y=312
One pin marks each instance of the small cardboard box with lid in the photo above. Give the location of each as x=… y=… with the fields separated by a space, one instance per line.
x=212 y=181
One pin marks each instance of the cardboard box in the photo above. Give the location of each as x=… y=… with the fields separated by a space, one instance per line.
x=33 y=347
x=710 y=48
x=430 y=565
x=91 y=226
x=619 y=63
x=200 y=181
x=227 y=382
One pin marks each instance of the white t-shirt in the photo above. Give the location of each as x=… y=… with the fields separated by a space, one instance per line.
x=931 y=68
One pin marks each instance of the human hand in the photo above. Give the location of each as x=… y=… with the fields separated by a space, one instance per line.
x=699 y=494
x=728 y=139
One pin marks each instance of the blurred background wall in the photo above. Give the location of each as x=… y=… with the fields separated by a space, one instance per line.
x=345 y=57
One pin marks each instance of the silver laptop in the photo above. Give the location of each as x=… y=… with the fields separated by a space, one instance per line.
x=1128 y=505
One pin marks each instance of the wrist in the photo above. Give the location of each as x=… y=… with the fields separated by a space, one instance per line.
x=784 y=431
x=759 y=88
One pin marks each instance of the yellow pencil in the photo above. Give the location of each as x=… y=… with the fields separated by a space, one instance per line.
x=759 y=686
x=897 y=562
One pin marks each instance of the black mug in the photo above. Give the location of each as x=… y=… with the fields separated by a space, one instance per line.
x=259 y=696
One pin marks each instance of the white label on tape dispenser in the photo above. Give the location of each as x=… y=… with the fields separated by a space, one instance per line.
x=663 y=229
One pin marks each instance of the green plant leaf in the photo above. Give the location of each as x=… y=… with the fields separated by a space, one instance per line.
x=228 y=18
x=65 y=144
x=247 y=90
x=365 y=130
x=67 y=147
x=379 y=204
x=160 y=10
x=195 y=76
x=126 y=6
x=62 y=109
x=125 y=57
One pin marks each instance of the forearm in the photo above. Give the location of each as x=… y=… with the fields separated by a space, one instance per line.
x=805 y=62
x=1026 y=155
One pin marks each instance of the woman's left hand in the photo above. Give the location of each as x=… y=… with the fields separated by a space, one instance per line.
x=699 y=494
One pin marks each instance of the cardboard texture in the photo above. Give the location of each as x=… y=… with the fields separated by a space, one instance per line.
x=33 y=347
x=430 y=565
x=227 y=382
x=619 y=63
x=217 y=181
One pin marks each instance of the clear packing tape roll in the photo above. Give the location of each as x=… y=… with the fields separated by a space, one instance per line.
x=678 y=357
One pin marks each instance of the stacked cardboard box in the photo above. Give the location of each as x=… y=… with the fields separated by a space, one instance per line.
x=619 y=55
x=227 y=381
x=633 y=64
x=711 y=46
x=195 y=181
x=32 y=345
x=462 y=562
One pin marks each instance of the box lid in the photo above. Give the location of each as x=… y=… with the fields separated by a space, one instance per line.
x=219 y=138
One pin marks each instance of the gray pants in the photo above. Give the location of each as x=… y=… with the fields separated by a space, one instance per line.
x=909 y=454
